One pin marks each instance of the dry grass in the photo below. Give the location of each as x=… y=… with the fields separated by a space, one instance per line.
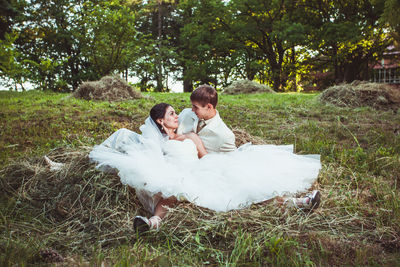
x=243 y=137
x=246 y=87
x=110 y=88
x=84 y=208
x=362 y=93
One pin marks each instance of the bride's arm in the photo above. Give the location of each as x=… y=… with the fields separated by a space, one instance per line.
x=201 y=150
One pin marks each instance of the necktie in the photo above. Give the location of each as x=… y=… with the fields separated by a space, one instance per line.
x=201 y=125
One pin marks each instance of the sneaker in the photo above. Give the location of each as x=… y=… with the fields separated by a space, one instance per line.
x=314 y=200
x=54 y=166
x=141 y=224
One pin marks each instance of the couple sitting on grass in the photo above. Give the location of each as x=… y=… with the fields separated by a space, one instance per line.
x=193 y=157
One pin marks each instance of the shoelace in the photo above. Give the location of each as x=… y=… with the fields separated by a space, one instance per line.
x=155 y=222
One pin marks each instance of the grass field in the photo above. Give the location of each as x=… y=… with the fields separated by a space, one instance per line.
x=358 y=222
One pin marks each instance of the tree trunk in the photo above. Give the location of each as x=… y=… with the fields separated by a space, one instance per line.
x=187 y=86
x=337 y=72
x=143 y=84
x=159 y=56
x=276 y=79
x=22 y=86
x=294 y=72
x=187 y=83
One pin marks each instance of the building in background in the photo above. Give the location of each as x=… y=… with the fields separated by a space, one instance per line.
x=388 y=69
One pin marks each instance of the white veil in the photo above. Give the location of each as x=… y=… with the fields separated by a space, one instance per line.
x=150 y=131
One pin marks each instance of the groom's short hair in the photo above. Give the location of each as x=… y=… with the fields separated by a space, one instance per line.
x=205 y=94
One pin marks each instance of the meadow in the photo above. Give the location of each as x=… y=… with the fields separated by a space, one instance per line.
x=358 y=222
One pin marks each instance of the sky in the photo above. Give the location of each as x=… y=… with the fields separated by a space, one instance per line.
x=175 y=86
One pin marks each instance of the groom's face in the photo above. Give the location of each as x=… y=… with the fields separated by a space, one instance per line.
x=202 y=112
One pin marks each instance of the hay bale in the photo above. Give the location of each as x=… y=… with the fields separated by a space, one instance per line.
x=111 y=88
x=246 y=87
x=81 y=203
x=362 y=93
x=243 y=137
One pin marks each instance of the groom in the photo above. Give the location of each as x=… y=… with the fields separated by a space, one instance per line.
x=204 y=120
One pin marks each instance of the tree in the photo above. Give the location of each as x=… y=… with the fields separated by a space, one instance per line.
x=346 y=36
x=50 y=31
x=11 y=71
x=66 y=42
x=390 y=17
x=269 y=34
x=205 y=53
x=110 y=35
x=8 y=11
x=390 y=13
x=154 y=34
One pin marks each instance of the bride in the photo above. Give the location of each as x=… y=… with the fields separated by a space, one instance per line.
x=165 y=167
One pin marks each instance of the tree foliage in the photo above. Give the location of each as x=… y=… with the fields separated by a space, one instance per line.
x=57 y=44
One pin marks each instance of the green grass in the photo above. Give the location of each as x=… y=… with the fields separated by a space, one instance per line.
x=357 y=224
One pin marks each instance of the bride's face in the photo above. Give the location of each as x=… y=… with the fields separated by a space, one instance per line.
x=170 y=119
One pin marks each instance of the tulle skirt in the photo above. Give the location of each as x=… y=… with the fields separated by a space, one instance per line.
x=219 y=181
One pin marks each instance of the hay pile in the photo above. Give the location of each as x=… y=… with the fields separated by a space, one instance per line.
x=109 y=88
x=243 y=137
x=246 y=87
x=82 y=207
x=363 y=93
x=78 y=208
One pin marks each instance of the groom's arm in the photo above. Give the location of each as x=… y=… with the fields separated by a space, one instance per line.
x=220 y=140
x=228 y=144
x=227 y=138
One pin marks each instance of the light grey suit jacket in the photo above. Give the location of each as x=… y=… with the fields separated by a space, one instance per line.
x=216 y=136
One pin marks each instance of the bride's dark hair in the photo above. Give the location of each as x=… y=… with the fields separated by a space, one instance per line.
x=158 y=112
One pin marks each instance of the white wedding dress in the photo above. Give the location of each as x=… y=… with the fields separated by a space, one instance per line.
x=220 y=181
